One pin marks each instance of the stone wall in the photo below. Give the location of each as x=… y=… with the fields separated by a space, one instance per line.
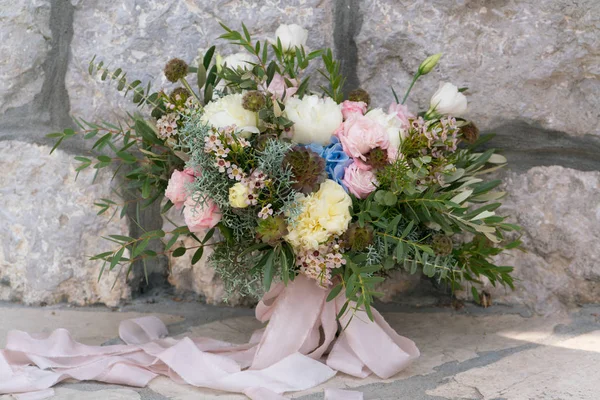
x=532 y=68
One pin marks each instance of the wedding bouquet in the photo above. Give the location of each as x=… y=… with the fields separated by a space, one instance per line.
x=302 y=180
x=316 y=198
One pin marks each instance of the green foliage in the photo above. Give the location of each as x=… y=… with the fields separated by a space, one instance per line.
x=432 y=213
x=141 y=95
x=332 y=74
x=237 y=270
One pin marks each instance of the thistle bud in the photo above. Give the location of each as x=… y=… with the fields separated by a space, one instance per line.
x=357 y=238
x=470 y=133
x=359 y=95
x=377 y=158
x=176 y=69
x=429 y=63
x=253 y=101
x=441 y=245
x=183 y=94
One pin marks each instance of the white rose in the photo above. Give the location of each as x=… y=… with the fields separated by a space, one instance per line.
x=228 y=111
x=392 y=125
x=448 y=100
x=291 y=36
x=234 y=61
x=239 y=60
x=315 y=119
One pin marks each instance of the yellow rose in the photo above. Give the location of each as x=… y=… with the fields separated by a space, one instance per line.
x=238 y=194
x=324 y=213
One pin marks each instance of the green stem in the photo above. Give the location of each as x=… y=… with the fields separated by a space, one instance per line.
x=187 y=86
x=417 y=75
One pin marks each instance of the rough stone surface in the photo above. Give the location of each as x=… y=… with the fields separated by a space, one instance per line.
x=531 y=68
x=107 y=394
x=199 y=278
x=24 y=35
x=472 y=354
x=50 y=229
x=559 y=210
x=534 y=378
x=527 y=60
x=92 y=326
x=141 y=36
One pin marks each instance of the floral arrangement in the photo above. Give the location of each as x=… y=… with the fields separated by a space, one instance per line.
x=300 y=179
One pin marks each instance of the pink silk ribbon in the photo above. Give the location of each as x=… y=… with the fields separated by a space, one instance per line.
x=296 y=351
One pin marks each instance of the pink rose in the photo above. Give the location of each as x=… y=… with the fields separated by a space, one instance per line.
x=360 y=182
x=201 y=215
x=278 y=87
x=176 y=189
x=192 y=172
x=402 y=113
x=359 y=135
x=353 y=107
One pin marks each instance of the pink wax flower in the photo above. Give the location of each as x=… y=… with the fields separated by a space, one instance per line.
x=360 y=182
x=402 y=113
x=359 y=135
x=278 y=87
x=201 y=215
x=176 y=188
x=353 y=107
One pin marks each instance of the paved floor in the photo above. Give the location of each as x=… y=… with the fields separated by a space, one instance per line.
x=497 y=353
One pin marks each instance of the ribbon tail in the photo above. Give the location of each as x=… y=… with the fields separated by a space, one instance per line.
x=366 y=346
x=293 y=318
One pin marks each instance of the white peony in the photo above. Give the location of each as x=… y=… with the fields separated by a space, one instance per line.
x=291 y=36
x=315 y=119
x=228 y=111
x=392 y=125
x=448 y=101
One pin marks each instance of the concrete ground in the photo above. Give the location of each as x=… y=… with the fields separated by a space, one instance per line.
x=496 y=353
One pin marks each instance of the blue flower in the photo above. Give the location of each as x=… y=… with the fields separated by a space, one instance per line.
x=336 y=160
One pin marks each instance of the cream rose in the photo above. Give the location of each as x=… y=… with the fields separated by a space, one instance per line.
x=291 y=36
x=228 y=111
x=238 y=194
x=448 y=101
x=315 y=119
x=324 y=213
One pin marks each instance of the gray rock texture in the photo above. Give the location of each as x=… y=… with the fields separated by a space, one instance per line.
x=141 y=37
x=531 y=68
x=533 y=61
x=24 y=33
x=199 y=278
x=559 y=210
x=50 y=228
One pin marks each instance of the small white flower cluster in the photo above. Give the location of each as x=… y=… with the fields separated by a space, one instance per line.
x=167 y=125
x=254 y=183
x=266 y=211
x=219 y=143
x=441 y=137
x=317 y=264
x=245 y=193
